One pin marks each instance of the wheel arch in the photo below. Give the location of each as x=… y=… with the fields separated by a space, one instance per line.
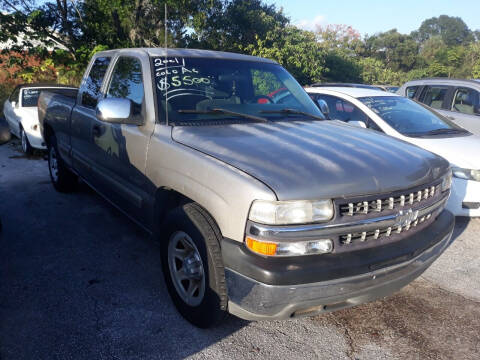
x=166 y=200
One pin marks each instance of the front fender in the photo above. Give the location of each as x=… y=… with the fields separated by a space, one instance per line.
x=224 y=191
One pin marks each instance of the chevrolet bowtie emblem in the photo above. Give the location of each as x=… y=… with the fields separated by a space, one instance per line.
x=406 y=217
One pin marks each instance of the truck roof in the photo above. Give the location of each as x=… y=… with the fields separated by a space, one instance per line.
x=173 y=52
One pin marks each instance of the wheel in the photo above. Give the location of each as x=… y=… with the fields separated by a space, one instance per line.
x=26 y=147
x=62 y=178
x=193 y=267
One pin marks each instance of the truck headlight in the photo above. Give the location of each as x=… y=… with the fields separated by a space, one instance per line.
x=447 y=181
x=290 y=212
x=297 y=248
x=467 y=174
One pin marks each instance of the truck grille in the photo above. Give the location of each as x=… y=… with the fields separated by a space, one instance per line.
x=389 y=203
x=353 y=238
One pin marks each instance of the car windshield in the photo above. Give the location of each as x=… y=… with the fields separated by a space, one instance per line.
x=30 y=96
x=206 y=90
x=410 y=118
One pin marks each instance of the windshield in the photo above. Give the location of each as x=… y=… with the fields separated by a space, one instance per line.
x=203 y=90
x=408 y=117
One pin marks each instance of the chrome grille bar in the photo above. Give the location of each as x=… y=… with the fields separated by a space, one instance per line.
x=364 y=236
x=389 y=203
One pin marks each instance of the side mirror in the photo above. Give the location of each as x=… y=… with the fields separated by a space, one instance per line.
x=323 y=106
x=117 y=111
x=14 y=104
x=358 y=123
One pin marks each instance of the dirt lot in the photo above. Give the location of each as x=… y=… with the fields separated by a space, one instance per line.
x=80 y=281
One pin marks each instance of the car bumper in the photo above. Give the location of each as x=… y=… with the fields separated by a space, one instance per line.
x=464 y=198
x=252 y=299
x=35 y=139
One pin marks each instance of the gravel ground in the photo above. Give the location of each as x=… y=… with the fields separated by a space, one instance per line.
x=80 y=281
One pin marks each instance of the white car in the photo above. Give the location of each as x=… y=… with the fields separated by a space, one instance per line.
x=20 y=111
x=415 y=123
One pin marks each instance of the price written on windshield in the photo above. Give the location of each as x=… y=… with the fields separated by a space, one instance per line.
x=174 y=72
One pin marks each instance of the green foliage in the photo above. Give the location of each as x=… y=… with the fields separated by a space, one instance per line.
x=236 y=24
x=375 y=72
x=264 y=82
x=398 y=51
x=63 y=35
x=295 y=49
x=416 y=74
x=452 y=30
x=5 y=91
x=436 y=69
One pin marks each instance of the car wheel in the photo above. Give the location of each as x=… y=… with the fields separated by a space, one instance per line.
x=62 y=178
x=26 y=147
x=193 y=267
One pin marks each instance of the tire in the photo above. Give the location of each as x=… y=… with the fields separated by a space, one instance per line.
x=190 y=223
x=26 y=147
x=62 y=178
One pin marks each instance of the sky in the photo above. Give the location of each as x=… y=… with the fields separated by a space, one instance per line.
x=372 y=16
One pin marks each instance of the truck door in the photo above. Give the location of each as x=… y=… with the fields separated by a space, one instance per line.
x=83 y=119
x=119 y=150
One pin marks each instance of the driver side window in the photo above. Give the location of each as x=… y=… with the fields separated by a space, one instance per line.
x=127 y=82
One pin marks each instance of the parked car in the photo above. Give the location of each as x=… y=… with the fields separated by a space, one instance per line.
x=262 y=210
x=388 y=88
x=20 y=111
x=458 y=100
x=417 y=124
x=362 y=86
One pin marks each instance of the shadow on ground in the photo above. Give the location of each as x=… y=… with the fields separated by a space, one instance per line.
x=79 y=280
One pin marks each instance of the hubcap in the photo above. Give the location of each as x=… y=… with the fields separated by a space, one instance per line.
x=53 y=164
x=186 y=268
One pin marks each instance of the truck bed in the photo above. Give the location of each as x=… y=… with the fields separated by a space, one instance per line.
x=58 y=105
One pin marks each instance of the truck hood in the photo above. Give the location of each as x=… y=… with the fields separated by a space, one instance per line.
x=460 y=151
x=315 y=159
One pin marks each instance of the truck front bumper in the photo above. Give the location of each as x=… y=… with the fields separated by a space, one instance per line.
x=274 y=289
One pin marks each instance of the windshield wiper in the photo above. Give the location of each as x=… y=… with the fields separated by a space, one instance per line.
x=444 y=131
x=223 y=111
x=292 y=111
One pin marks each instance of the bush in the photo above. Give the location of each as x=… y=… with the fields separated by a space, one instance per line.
x=5 y=91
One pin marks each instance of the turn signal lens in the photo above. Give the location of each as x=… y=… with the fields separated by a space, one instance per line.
x=290 y=248
x=260 y=247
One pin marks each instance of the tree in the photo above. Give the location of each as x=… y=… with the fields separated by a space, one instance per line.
x=453 y=30
x=339 y=36
x=375 y=72
x=235 y=25
x=399 y=52
x=297 y=50
x=40 y=24
x=139 y=23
